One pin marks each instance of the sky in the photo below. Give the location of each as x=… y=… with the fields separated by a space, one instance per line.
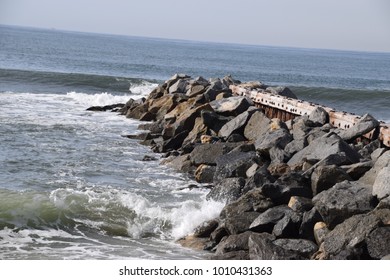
x=362 y=25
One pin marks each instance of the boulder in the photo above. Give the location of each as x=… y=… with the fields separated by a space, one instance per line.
x=273 y=138
x=309 y=220
x=227 y=190
x=283 y=91
x=233 y=164
x=365 y=125
x=240 y=223
x=195 y=90
x=232 y=106
x=342 y=201
x=214 y=121
x=205 y=173
x=320 y=231
x=113 y=107
x=209 y=152
x=206 y=228
x=300 y=204
x=233 y=255
x=296 y=145
x=262 y=247
x=237 y=124
x=302 y=247
x=319 y=116
x=347 y=240
x=252 y=201
x=357 y=170
x=258 y=124
x=280 y=220
x=323 y=147
x=174 y=79
x=368 y=149
x=180 y=163
x=378 y=242
x=325 y=177
x=237 y=242
x=381 y=187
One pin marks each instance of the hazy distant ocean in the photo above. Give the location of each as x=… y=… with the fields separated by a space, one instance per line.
x=72 y=188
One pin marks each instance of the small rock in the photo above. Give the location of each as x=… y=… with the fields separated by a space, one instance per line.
x=205 y=173
x=300 y=204
x=378 y=242
x=320 y=231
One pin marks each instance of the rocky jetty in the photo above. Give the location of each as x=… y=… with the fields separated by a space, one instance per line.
x=300 y=189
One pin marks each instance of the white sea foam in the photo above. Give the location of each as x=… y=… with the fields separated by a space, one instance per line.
x=98 y=99
x=142 y=89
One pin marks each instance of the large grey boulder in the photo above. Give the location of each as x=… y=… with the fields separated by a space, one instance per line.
x=370 y=176
x=378 y=242
x=237 y=242
x=304 y=248
x=381 y=187
x=274 y=138
x=342 y=201
x=257 y=125
x=231 y=106
x=233 y=164
x=319 y=116
x=323 y=147
x=325 y=177
x=208 y=153
x=237 y=125
x=283 y=91
x=365 y=125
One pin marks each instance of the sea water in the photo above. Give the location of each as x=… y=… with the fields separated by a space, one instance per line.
x=71 y=187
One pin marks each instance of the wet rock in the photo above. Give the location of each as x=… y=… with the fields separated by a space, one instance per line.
x=342 y=201
x=381 y=187
x=237 y=242
x=208 y=153
x=205 y=173
x=240 y=223
x=192 y=242
x=217 y=235
x=252 y=201
x=233 y=164
x=324 y=147
x=106 y=108
x=180 y=163
x=378 y=242
x=149 y=158
x=206 y=228
x=258 y=124
x=175 y=142
x=237 y=125
x=365 y=125
x=227 y=190
x=231 y=106
x=325 y=177
x=262 y=247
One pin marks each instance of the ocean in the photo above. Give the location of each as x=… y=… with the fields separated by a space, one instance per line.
x=71 y=187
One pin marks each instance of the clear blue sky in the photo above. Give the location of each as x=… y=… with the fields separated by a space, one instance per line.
x=332 y=24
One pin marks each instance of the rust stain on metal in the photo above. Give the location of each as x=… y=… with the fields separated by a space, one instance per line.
x=285 y=108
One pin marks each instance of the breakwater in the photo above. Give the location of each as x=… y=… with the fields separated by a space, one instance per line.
x=299 y=180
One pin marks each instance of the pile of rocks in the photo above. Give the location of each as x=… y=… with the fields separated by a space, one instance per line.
x=300 y=189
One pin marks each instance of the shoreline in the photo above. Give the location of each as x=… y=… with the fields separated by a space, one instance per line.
x=295 y=186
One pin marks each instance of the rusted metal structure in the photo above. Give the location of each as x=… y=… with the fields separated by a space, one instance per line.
x=286 y=108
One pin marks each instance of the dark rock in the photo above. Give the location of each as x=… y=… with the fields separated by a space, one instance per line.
x=137 y=111
x=309 y=219
x=237 y=124
x=296 y=145
x=181 y=163
x=274 y=138
x=208 y=153
x=323 y=147
x=240 y=223
x=258 y=124
x=154 y=127
x=300 y=204
x=214 y=121
x=205 y=173
x=106 y=108
x=218 y=234
x=378 y=242
x=319 y=116
x=342 y=201
x=262 y=247
x=283 y=91
x=365 y=125
x=280 y=220
x=381 y=187
x=194 y=136
x=357 y=170
x=302 y=247
x=227 y=190
x=251 y=201
x=278 y=155
x=238 y=242
x=175 y=142
x=206 y=228
x=234 y=138
x=179 y=87
x=231 y=106
x=234 y=255
x=368 y=149
x=346 y=240
x=149 y=158
x=325 y=177
x=292 y=184
x=233 y=164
